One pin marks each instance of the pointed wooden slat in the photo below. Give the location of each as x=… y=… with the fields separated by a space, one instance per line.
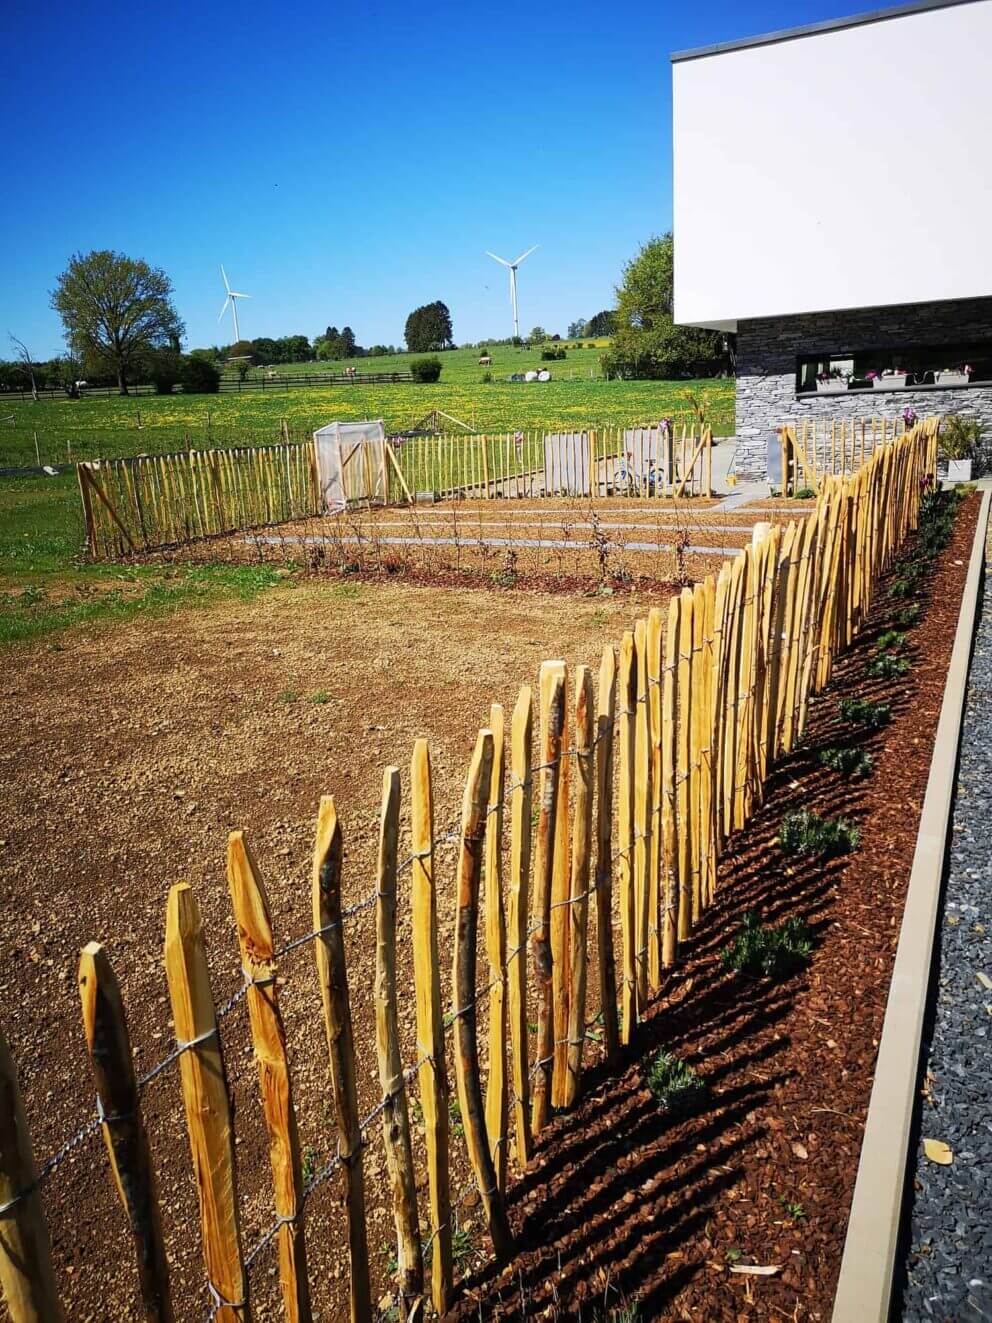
x=332 y=976
x=430 y=1025
x=109 y=1046
x=207 y=1104
x=26 y=1273
x=496 y=1087
x=395 y=1117
x=472 y=845
x=552 y=697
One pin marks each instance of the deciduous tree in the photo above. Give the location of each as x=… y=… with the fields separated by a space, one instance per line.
x=428 y=328
x=646 y=341
x=115 y=309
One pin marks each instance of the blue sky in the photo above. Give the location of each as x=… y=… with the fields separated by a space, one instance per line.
x=346 y=162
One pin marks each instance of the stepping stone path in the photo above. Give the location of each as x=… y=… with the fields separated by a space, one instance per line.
x=949 y=1261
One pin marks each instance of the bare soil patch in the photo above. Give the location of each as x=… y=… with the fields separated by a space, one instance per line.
x=128 y=756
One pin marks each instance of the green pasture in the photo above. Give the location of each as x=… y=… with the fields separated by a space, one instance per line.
x=105 y=427
x=45 y=583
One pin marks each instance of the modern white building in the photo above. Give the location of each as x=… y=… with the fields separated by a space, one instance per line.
x=833 y=208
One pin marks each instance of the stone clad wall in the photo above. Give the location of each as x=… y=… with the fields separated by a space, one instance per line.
x=767 y=349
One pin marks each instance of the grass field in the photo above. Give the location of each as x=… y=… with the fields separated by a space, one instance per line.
x=44 y=584
x=108 y=426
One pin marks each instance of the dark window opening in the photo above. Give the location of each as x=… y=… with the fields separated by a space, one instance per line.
x=900 y=367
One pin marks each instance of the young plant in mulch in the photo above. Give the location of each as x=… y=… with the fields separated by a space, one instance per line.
x=677 y=1088
x=864 y=713
x=887 y=667
x=907 y=616
x=891 y=640
x=809 y=836
x=763 y=952
x=854 y=764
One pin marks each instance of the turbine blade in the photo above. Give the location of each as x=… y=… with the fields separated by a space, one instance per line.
x=526 y=254
x=236 y=295
x=497 y=259
x=224 y=309
x=224 y=274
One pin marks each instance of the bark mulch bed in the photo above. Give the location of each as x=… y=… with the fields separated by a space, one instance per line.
x=620 y=1204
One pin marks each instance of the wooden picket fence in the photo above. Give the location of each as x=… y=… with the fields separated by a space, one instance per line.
x=150 y=501
x=635 y=791
x=147 y=501
x=820 y=448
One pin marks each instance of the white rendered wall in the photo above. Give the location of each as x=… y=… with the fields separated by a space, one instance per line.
x=843 y=169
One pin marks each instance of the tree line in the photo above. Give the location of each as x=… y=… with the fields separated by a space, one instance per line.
x=121 y=326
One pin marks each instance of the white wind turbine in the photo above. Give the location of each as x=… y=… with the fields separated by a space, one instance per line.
x=513 y=280
x=232 y=298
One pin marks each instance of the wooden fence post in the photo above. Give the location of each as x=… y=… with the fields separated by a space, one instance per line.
x=605 y=715
x=256 y=942
x=654 y=705
x=561 y=917
x=686 y=700
x=579 y=897
x=109 y=1046
x=473 y=832
x=521 y=798
x=395 y=1117
x=208 y=1109
x=670 y=825
x=642 y=816
x=627 y=697
x=430 y=1025
x=552 y=726
x=26 y=1273
x=496 y=1090
x=332 y=976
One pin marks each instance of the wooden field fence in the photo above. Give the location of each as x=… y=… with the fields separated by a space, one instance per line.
x=621 y=799
x=146 y=502
x=820 y=448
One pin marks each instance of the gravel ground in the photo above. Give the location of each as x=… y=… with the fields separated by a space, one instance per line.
x=949 y=1266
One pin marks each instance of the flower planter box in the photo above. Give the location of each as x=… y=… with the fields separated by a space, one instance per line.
x=830 y=387
x=959 y=470
x=951 y=378
x=894 y=382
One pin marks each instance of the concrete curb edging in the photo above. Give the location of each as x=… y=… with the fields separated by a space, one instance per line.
x=868 y=1264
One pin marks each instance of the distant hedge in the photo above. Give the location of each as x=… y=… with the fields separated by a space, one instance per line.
x=425 y=369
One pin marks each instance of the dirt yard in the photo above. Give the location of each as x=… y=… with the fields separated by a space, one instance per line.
x=128 y=755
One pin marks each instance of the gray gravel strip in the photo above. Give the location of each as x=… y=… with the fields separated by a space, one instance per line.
x=949 y=1263
x=567 y=544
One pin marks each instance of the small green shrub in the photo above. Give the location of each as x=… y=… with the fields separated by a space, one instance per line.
x=425 y=370
x=907 y=616
x=487 y=378
x=855 y=764
x=864 y=713
x=198 y=377
x=552 y=353
x=676 y=1087
x=891 y=640
x=805 y=494
x=768 y=952
x=887 y=667
x=289 y=696
x=811 y=836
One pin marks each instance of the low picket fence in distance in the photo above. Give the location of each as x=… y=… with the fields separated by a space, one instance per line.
x=622 y=800
x=150 y=501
